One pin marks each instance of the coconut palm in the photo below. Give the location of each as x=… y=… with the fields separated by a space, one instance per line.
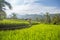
x=48 y=19
x=3 y=3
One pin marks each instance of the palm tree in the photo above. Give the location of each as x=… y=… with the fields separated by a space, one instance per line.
x=3 y=3
x=48 y=20
x=14 y=16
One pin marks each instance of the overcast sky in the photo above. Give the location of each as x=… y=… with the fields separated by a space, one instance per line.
x=34 y=6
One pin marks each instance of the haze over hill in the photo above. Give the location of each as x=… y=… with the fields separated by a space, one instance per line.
x=34 y=16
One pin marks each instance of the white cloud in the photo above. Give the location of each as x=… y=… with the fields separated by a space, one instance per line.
x=31 y=7
x=34 y=9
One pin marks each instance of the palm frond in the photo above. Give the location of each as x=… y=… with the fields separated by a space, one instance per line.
x=8 y=4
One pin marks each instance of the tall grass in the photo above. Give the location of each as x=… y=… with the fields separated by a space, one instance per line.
x=36 y=32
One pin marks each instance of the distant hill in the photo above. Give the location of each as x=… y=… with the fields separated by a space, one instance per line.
x=33 y=16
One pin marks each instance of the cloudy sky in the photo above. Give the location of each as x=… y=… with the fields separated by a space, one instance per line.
x=34 y=6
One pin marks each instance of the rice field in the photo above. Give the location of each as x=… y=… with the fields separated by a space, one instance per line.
x=36 y=32
x=11 y=23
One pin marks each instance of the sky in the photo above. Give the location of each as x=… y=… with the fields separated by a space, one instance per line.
x=33 y=6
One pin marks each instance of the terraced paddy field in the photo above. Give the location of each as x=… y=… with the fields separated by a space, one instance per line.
x=35 y=32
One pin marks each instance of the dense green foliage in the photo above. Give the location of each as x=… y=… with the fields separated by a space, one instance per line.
x=51 y=19
x=36 y=32
x=56 y=19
